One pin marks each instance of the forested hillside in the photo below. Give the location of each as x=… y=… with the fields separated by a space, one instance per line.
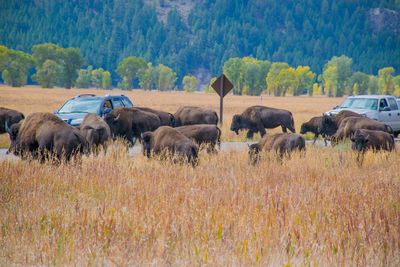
x=199 y=36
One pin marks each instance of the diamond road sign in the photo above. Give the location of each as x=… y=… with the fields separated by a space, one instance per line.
x=222 y=83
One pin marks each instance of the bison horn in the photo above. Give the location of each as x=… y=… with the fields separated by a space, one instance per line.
x=117 y=118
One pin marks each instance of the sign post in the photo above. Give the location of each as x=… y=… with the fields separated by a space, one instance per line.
x=222 y=86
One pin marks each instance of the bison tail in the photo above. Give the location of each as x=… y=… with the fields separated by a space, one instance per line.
x=389 y=129
x=291 y=128
x=219 y=138
x=216 y=118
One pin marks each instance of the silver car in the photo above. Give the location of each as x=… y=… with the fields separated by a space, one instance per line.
x=383 y=108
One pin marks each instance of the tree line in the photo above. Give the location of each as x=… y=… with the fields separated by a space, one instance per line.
x=62 y=67
x=305 y=32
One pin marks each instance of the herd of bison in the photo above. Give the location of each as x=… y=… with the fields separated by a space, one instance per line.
x=44 y=136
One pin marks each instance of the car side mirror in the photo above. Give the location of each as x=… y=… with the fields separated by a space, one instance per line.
x=55 y=111
x=106 y=111
x=336 y=107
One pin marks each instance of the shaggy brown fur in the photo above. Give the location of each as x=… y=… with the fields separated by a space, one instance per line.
x=43 y=135
x=130 y=123
x=166 y=119
x=257 y=118
x=280 y=143
x=95 y=130
x=189 y=115
x=350 y=124
x=203 y=134
x=8 y=117
x=168 y=141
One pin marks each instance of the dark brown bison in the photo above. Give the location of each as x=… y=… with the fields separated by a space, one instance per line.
x=188 y=115
x=167 y=141
x=350 y=124
x=166 y=119
x=44 y=135
x=8 y=117
x=130 y=123
x=363 y=140
x=280 y=143
x=314 y=125
x=95 y=130
x=203 y=134
x=331 y=123
x=257 y=118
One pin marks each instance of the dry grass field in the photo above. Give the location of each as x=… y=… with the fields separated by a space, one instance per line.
x=320 y=209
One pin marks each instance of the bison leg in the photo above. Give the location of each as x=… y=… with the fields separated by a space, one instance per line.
x=284 y=129
x=315 y=138
x=262 y=131
x=250 y=134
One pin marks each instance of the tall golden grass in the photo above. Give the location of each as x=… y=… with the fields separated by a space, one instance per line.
x=318 y=209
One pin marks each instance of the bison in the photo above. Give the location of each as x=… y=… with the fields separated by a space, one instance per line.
x=166 y=119
x=314 y=125
x=257 y=118
x=209 y=135
x=363 y=140
x=130 y=123
x=280 y=143
x=13 y=134
x=189 y=115
x=350 y=124
x=168 y=141
x=95 y=130
x=44 y=135
x=330 y=123
x=8 y=117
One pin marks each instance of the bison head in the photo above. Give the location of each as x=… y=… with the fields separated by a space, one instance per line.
x=146 y=143
x=236 y=124
x=254 y=153
x=303 y=128
x=329 y=126
x=13 y=131
x=359 y=141
x=113 y=121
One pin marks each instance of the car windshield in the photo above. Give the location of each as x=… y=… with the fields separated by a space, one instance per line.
x=83 y=105
x=360 y=103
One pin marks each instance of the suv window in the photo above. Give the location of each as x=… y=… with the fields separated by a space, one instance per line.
x=117 y=102
x=127 y=102
x=383 y=103
x=393 y=104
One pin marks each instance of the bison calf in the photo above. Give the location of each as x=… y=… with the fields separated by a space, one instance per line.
x=258 y=118
x=203 y=134
x=96 y=131
x=280 y=143
x=167 y=141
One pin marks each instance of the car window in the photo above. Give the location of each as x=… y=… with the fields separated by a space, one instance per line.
x=127 y=102
x=360 y=103
x=81 y=105
x=393 y=104
x=107 y=104
x=117 y=102
x=383 y=103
